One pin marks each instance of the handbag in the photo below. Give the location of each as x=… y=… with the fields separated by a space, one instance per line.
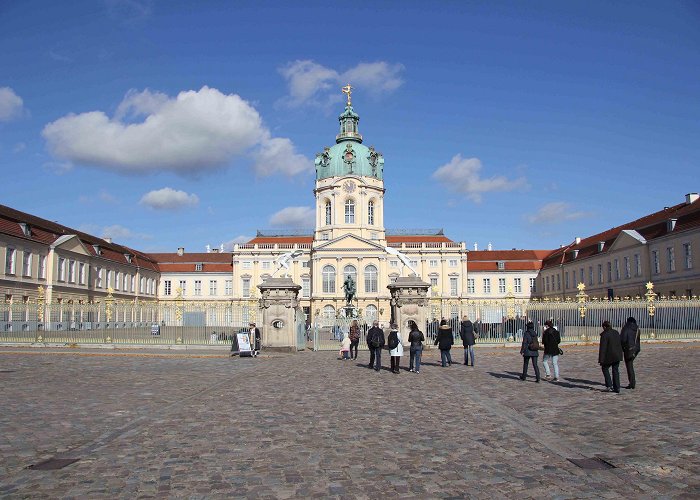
x=561 y=353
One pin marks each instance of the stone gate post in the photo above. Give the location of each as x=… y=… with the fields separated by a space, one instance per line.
x=409 y=301
x=278 y=304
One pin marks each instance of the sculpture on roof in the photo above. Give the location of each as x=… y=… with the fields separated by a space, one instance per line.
x=283 y=261
x=405 y=261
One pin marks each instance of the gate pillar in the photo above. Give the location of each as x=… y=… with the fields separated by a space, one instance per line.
x=278 y=304
x=409 y=301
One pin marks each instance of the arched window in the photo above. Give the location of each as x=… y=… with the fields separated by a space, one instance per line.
x=371 y=313
x=328 y=312
x=328 y=214
x=349 y=212
x=328 y=279
x=371 y=279
x=350 y=271
x=370 y=213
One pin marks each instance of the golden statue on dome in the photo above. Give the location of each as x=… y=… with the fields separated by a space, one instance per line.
x=348 y=90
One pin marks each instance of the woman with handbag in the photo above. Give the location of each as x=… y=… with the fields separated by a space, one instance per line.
x=550 y=341
x=354 y=338
x=395 y=348
x=529 y=349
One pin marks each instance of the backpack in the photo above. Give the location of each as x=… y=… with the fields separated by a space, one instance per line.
x=534 y=344
x=394 y=343
x=375 y=342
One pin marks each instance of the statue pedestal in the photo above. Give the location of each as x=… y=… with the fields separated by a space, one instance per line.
x=409 y=301
x=280 y=305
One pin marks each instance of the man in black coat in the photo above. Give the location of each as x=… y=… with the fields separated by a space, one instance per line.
x=629 y=338
x=610 y=355
x=444 y=341
x=375 y=344
x=466 y=332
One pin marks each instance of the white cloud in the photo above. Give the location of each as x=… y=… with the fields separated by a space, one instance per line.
x=118 y=233
x=103 y=196
x=19 y=147
x=555 y=213
x=312 y=83
x=169 y=199
x=293 y=217
x=11 y=105
x=193 y=133
x=278 y=155
x=463 y=175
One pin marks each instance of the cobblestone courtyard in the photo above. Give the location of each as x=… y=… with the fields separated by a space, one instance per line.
x=307 y=425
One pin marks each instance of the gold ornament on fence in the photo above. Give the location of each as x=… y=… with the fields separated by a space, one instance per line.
x=40 y=304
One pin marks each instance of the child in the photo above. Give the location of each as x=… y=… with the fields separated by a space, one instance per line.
x=345 y=347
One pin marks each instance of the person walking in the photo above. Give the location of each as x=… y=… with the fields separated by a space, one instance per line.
x=395 y=348
x=370 y=335
x=416 y=338
x=354 y=338
x=375 y=341
x=631 y=345
x=468 y=339
x=609 y=356
x=529 y=349
x=551 y=340
x=444 y=341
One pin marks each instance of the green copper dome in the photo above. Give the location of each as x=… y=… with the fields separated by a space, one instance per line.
x=349 y=156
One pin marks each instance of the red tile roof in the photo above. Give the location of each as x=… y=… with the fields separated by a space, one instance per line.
x=506 y=255
x=192 y=258
x=170 y=267
x=650 y=227
x=47 y=232
x=435 y=238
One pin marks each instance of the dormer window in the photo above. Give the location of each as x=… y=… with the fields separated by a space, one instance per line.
x=601 y=245
x=26 y=229
x=128 y=257
x=501 y=265
x=574 y=254
x=198 y=266
x=97 y=249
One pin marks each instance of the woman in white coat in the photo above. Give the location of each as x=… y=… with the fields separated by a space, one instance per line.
x=395 y=348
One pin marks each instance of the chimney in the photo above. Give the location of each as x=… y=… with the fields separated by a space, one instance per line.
x=181 y=251
x=691 y=198
x=476 y=246
x=107 y=239
x=489 y=247
x=671 y=224
x=578 y=240
x=601 y=245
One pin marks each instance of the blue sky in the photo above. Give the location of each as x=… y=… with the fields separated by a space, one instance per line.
x=524 y=124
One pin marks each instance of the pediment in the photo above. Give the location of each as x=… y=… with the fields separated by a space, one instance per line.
x=628 y=238
x=350 y=242
x=71 y=243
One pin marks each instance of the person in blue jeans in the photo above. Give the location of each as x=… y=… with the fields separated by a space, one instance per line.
x=468 y=339
x=444 y=341
x=376 y=344
x=416 y=339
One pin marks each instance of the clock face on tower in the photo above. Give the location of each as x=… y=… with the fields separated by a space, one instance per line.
x=349 y=186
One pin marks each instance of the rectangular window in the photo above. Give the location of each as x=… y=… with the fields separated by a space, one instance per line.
x=471 y=286
x=566 y=279
x=590 y=275
x=228 y=287
x=198 y=266
x=197 y=288
x=212 y=287
x=305 y=288
x=133 y=284
x=245 y=288
x=501 y=265
x=394 y=263
x=453 y=262
x=247 y=264
x=27 y=263
x=617 y=269
x=433 y=282
x=349 y=212
x=61 y=269
x=10 y=256
x=487 y=285
x=142 y=285
x=167 y=287
x=325 y=236
x=600 y=273
x=546 y=282
x=433 y=263
x=98 y=277
x=370 y=213
x=453 y=286
x=127 y=279
x=518 y=286
x=414 y=263
x=609 y=272
x=306 y=264
x=109 y=279
x=533 y=285
x=580 y=274
x=501 y=285
x=637 y=265
x=183 y=287
x=671 y=257
x=628 y=268
x=688 y=255
x=71 y=271
x=266 y=264
x=42 y=267
x=655 y=261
